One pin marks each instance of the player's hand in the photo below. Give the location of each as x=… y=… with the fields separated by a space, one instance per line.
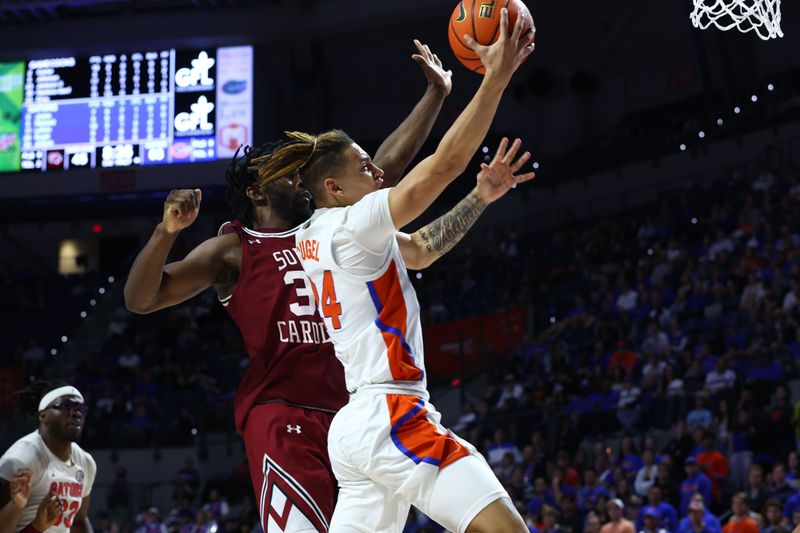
x=503 y=57
x=48 y=512
x=181 y=209
x=20 y=488
x=431 y=65
x=500 y=175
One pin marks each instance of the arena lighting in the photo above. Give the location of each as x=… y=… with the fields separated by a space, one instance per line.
x=53 y=351
x=194 y=431
x=754 y=98
x=485 y=149
x=649 y=251
x=92 y=302
x=83 y=314
x=683 y=147
x=701 y=134
x=419 y=275
x=111 y=279
x=535 y=165
x=552 y=320
x=770 y=87
x=64 y=338
x=101 y=290
x=720 y=122
x=737 y=110
x=694 y=220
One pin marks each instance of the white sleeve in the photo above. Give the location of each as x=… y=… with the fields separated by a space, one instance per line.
x=91 y=473
x=21 y=455
x=364 y=239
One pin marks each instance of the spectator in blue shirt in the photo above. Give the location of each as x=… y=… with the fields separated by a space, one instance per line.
x=699 y=519
x=667 y=515
x=700 y=416
x=695 y=482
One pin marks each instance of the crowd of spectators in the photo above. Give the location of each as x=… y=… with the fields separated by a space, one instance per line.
x=657 y=388
x=652 y=393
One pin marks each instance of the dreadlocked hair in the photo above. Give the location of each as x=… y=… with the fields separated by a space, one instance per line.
x=26 y=401
x=312 y=157
x=242 y=174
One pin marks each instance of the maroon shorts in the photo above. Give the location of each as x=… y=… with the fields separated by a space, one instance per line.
x=287 y=450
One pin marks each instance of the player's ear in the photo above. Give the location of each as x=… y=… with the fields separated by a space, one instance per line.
x=256 y=194
x=332 y=187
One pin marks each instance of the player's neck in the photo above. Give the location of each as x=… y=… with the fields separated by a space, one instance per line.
x=59 y=447
x=266 y=218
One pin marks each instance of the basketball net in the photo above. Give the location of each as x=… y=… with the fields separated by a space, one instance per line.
x=760 y=16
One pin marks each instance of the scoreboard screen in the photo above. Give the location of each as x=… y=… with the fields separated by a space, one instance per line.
x=146 y=107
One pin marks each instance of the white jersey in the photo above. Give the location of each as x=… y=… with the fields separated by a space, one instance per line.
x=71 y=481
x=369 y=306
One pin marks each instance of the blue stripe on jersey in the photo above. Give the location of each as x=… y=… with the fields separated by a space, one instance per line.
x=408 y=453
x=388 y=329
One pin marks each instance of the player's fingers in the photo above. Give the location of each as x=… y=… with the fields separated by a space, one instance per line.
x=501 y=150
x=520 y=162
x=198 y=197
x=428 y=52
x=517 y=33
x=522 y=178
x=525 y=52
x=472 y=44
x=512 y=152
x=418 y=44
x=503 y=24
x=437 y=60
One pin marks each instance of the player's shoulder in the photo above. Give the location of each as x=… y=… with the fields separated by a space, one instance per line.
x=83 y=458
x=27 y=452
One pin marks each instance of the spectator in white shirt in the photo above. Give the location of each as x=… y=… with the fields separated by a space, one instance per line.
x=646 y=475
x=720 y=378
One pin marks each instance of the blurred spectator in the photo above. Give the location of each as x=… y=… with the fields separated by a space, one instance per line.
x=187 y=481
x=696 y=482
x=699 y=519
x=700 y=416
x=119 y=494
x=775 y=518
x=152 y=522
x=217 y=506
x=651 y=522
x=499 y=447
x=646 y=476
x=779 y=488
x=740 y=522
x=757 y=491
x=713 y=464
x=617 y=523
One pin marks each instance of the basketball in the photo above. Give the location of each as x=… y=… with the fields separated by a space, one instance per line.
x=481 y=20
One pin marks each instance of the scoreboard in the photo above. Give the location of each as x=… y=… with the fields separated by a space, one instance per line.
x=114 y=110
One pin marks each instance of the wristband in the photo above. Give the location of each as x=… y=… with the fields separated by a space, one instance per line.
x=30 y=529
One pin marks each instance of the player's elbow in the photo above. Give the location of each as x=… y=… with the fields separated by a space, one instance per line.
x=450 y=162
x=137 y=305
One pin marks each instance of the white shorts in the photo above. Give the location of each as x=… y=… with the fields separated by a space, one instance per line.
x=388 y=452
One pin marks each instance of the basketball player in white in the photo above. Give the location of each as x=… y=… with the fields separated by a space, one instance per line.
x=59 y=473
x=386 y=445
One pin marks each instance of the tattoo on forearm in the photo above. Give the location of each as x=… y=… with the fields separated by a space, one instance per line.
x=441 y=235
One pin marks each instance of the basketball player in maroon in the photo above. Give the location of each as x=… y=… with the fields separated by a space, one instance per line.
x=294 y=383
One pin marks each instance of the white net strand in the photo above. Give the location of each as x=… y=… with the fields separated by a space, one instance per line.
x=761 y=16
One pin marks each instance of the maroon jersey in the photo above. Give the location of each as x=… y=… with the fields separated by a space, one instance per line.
x=291 y=355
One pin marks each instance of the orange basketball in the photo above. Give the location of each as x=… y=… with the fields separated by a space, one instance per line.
x=481 y=20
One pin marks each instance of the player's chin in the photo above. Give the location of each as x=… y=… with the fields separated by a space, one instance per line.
x=378 y=183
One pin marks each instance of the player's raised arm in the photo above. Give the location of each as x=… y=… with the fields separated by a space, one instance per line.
x=426 y=245
x=428 y=179
x=397 y=151
x=151 y=284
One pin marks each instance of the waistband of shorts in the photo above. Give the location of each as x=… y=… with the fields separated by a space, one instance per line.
x=409 y=388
